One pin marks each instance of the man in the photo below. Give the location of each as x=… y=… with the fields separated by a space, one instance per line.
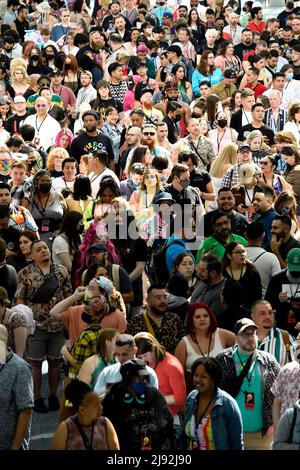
x=92 y=140
x=163 y=8
x=282 y=241
x=162 y=136
x=286 y=387
x=19 y=217
x=116 y=46
x=253 y=83
x=11 y=11
x=211 y=283
x=133 y=182
x=184 y=42
x=199 y=144
x=132 y=141
x=156 y=229
x=151 y=114
x=271 y=339
x=120 y=28
x=60 y=30
x=246 y=45
x=40 y=286
x=46 y=127
x=172 y=118
x=253 y=395
x=115 y=9
x=14 y=122
x=272 y=63
x=98 y=165
x=21 y=24
x=263 y=201
x=232 y=176
x=226 y=204
x=243 y=116
x=130 y=12
x=258 y=114
x=267 y=264
x=125 y=351
x=175 y=57
x=142 y=53
x=275 y=116
x=222 y=235
x=8 y=274
x=66 y=94
x=44 y=81
x=87 y=92
x=233 y=30
x=257 y=23
x=284 y=294
x=16 y=397
x=225 y=89
x=117 y=86
x=295 y=59
x=165 y=326
x=244 y=192
x=17 y=183
x=9 y=234
x=69 y=169
x=288 y=94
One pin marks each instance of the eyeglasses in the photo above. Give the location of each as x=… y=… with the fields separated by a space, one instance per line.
x=149 y=133
x=41 y=106
x=264 y=163
x=58 y=157
x=239 y=252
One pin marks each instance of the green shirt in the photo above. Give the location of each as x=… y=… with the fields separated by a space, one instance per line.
x=216 y=247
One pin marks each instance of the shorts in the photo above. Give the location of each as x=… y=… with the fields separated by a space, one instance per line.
x=42 y=345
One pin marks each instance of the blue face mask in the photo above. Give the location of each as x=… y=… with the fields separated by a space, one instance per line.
x=135 y=185
x=289 y=76
x=138 y=387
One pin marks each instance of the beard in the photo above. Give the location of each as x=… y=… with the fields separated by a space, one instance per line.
x=158 y=312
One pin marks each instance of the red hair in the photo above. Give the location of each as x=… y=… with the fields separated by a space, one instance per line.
x=190 y=316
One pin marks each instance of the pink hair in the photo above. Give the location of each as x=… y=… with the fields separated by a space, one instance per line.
x=90 y=237
x=62 y=132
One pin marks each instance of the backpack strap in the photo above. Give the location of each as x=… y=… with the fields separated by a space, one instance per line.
x=286 y=341
x=258 y=256
x=148 y=324
x=290 y=438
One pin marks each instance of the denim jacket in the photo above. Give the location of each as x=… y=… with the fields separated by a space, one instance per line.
x=226 y=419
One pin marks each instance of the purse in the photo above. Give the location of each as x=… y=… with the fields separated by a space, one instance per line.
x=47 y=290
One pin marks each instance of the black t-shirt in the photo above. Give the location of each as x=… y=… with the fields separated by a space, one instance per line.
x=13 y=123
x=285 y=247
x=84 y=144
x=101 y=105
x=241 y=49
x=238 y=223
x=265 y=130
x=11 y=236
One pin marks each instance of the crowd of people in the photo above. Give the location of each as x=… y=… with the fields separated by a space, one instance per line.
x=150 y=224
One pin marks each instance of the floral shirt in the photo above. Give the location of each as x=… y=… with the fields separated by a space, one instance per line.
x=287 y=385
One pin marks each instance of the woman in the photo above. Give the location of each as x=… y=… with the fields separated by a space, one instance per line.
x=139 y=411
x=141 y=200
x=64 y=139
x=222 y=135
x=235 y=102
x=82 y=194
x=226 y=59
x=18 y=322
x=227 y=158
x=212 y=104
x=104 y=99
x=54 y=161
x=35 y=62
x=140 y=155
x=184 y=85
x=258 y=148
x=291 y=155
x=19 y=81
x=113 y=130
x=285 y=204
x=290 y=84
x=71 y=73
x=293 y=122
x=196 y=25
x=96 y=210
x=88 y=429
x=268 y=166
x=206 y=71
x=185 y=265
x=66 y=243
x=168 y=369
x=23 y=255
x=5 y=109
x=45 y=205
x=238 y=268
x=69 y=48
x=162 y=71
x=212 y=420
x=84 y=165
x=50 y=53
x=93 y=366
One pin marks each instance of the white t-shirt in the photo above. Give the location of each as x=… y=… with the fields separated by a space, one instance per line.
x=60 y=245
x=267 y=264
x=59 y=184
x=45 y=131
x=95 y=179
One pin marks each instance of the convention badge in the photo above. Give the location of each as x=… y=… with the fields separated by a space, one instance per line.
x=36 y=141
x=45 y=226
x=5 y=166
x=194 y=445
x=10 y=246
x=249 y=400
x=146 y=443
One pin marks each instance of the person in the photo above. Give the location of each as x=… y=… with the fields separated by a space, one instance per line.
x=16 y=397
x=243 y=116
x=185 y=265
x=274 y=340
x=205 y=71
x=165 y=326
x=139 y=411
x=268 y=166
x=203 y=338
x=172 y=118
x=8 y=273
x=141 y=200
x=87 y=429
x=66 y=243
x=252 y=392
x=293 y=121
x=222 y=134
x=98 y=163
x=263 y=200
x=287 y=432
x=258 y=114
x=285 y=204
x=199 y=144
x=212 y=419
x=23 y=256
x=291 y=155
x=133 y=182
x=93 y=365
x=169 y=371
x=282 y=241
x=55 y=159
x=81 y=196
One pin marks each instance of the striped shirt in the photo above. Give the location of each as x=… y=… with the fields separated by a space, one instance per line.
x=202 y=435
x=278 y=342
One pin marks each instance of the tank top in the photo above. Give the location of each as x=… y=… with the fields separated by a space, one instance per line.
x=75 y=441
x=191 y=355
x=101 y=364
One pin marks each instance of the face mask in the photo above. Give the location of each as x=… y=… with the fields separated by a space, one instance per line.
x=196 y=116
x=177 y=117
x=86 y=318
x=35 y=57
x=289 y=76
x=80 y=229
x=185 y=183
x=168 y=37
x=290 y=5
x=285 y=210
x=138 y=387
x=50 y=56
x=7 y=49
x=154 y=54
x=222 y=123
x=135 y=185
x=45 y=187
x=161 y=4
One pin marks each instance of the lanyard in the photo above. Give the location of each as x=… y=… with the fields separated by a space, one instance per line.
x=244 y=365
x=244 y=113
x=42 y=210
x=241 y=273
x=96 y=176
x=36 y=124
x=198 y=421
x=249 y=198
x=208 y=351
x=220 y=140
x=88 y=443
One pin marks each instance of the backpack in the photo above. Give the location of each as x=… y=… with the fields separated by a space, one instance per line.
x=158 y=271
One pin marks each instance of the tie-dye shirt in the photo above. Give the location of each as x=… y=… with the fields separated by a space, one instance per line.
x=200 y=437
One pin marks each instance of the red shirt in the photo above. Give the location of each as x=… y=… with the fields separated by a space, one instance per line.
x=258 y=90
x=257 y=27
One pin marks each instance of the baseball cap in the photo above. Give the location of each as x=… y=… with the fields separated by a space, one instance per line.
x=146 y=90
x=141 y=63
x=19 y=99
x=293 y=260
x=142 y=48
x=103 y=283
x=163 y=197
x=168 y=14
x=56 y=72
x=133 y=368
x=171 y=86
x=242 y=146
x=97 y=246
x=246 y=173
x=242 y=324
x=229 y=74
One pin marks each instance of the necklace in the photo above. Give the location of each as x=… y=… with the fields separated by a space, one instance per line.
x=209 y=344
x=241 y=273
x=198 y=421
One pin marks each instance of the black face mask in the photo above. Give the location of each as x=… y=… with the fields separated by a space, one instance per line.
x=80 y=229
x=154 y=54
x=86 y=318
x=50 y=56
x=222 y=123
x=35 y=57
x=8 y=49
x=45 y=187
x=177 y=117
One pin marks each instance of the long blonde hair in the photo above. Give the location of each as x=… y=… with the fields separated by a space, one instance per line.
x=227 y=157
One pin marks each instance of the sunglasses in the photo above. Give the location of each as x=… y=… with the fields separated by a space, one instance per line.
x=41 y=106
x=264 y=163
x=149 y=133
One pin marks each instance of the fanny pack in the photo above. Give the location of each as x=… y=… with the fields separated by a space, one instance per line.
x=47 y=290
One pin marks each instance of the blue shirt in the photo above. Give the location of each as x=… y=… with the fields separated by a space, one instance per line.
x=266 y=219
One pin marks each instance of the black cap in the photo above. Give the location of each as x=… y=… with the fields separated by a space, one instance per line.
x=146 y=90
x=133 y=368
x=229 y=74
